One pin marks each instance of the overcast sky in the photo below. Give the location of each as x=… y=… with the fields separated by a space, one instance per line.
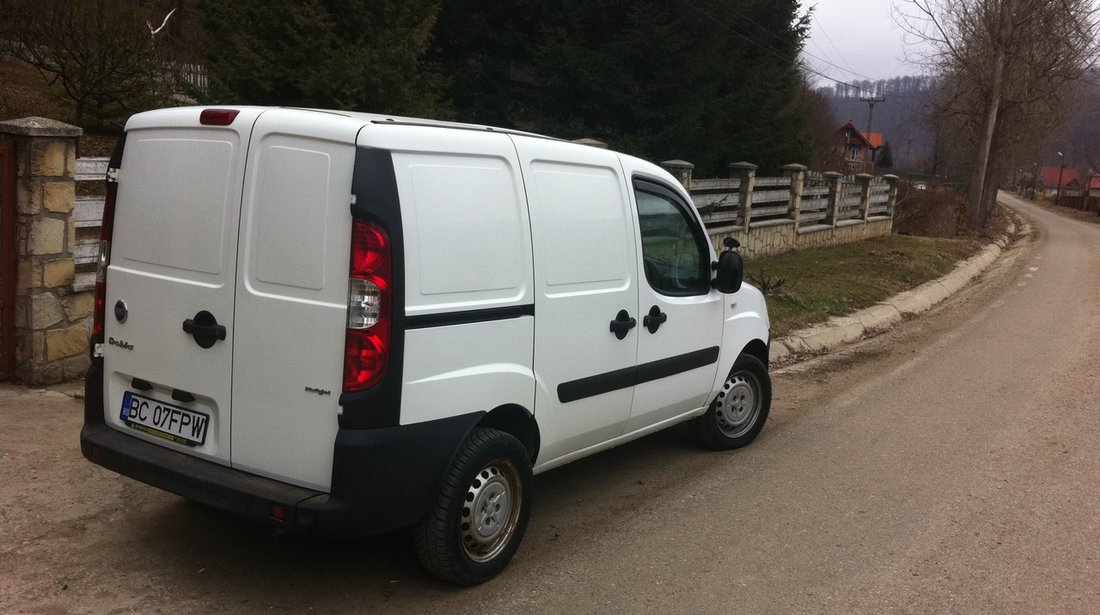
x=852 y=40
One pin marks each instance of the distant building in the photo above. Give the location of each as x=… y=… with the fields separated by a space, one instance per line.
x=1048 y=179
x=858 y=149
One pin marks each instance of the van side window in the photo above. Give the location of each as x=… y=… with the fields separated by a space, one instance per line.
x=675 y=254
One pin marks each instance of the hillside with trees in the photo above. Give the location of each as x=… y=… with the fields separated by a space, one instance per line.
x=1010 y=72
x=903 y=117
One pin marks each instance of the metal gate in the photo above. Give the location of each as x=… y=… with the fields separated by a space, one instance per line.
x=7 y=259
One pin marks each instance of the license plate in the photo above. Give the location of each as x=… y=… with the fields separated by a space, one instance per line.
x=164 y=420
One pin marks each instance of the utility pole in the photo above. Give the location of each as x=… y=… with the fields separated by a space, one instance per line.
x=1061 y=168
x=908 y=147
x=871 y=99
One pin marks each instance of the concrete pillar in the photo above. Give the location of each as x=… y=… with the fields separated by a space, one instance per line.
x=51 y=336
x=680 y=169
x=797 y=173
x=864 y=181
x=833 y=179
x=893 y=193
x=747 y=172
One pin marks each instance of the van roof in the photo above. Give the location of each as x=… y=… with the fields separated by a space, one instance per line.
x=377 y=118
x=171 y=114
x=186 y=116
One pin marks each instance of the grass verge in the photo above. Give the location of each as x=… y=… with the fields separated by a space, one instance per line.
x=809 y=286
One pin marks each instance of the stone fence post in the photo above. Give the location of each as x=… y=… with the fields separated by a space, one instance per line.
x=747 y=172
x=51 y=337
x=681 y=170
x=835 y=192
x=893 y=194
x=797 y=173
x=864 y=181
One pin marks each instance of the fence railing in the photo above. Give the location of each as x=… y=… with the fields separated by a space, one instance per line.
x=810 y=201
x=87 y=218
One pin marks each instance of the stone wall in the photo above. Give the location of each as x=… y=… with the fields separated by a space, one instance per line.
x=782 y=237
x=51 y=329
x=801 y=209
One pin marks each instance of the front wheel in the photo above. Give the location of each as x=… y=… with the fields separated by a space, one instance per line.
x=739 y=411
x=481 y=512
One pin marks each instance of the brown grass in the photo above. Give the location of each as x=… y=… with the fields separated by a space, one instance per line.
x=839 y=280
x=935 y=211
x=26 y=93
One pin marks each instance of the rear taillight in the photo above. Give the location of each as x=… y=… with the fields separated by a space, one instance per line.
x=104 y=259
x=370 y=301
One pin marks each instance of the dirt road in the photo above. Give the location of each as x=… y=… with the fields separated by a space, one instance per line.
x=951 y=465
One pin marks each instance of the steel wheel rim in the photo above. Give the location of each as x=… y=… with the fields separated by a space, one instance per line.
x=490 y=511
x=738 y=405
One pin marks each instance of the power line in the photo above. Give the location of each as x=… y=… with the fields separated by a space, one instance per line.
x=768 y=50
x=835 y=48
x=761 y=28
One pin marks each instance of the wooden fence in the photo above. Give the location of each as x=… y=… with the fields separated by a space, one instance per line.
x=87 y=218
x=810 y=200
x=801 y=208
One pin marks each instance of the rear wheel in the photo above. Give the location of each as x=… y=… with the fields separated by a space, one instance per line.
x=739 y=411
x=481 y=512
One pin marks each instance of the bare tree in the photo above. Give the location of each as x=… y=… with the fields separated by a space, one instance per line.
x=99 y=51
x=1008 y=74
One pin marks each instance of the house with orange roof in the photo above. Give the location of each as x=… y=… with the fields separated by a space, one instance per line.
x=1049 y=178
x=858 y=148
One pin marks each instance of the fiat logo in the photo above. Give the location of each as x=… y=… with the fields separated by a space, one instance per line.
x=121 y=312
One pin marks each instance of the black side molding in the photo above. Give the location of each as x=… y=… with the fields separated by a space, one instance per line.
x=597 y=385
x=606 y=382
x=426 y=321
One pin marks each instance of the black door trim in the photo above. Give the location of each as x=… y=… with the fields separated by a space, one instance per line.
x=426 y=321
x=606 y=382
x=663 y=368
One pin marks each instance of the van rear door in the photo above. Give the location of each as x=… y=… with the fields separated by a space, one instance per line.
x=169 y=298
x=292 y=286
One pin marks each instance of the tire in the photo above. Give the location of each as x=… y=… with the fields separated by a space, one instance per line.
x=479 y=517
x=739 y=411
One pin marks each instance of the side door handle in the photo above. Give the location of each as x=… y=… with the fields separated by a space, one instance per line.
x=654 y=319
x=622 y=324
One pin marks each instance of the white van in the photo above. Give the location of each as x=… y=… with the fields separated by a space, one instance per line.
x=347 y=323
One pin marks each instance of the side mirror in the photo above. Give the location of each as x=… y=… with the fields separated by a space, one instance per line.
x=730 y=268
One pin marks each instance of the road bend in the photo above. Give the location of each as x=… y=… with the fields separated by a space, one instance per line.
x=950 y=466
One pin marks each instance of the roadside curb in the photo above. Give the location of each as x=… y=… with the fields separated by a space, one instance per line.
x=841 y=330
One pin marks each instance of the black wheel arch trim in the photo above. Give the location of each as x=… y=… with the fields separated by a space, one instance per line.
x=760 y=349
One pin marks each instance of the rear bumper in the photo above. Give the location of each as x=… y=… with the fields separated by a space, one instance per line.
x=383 y=479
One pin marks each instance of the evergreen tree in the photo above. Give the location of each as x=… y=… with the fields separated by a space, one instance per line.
x=885 y=157
x=365 y=55
x=713 y=81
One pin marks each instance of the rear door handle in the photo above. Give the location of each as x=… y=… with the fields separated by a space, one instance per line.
x=622 y=324
x=204 y=328
x=654 y=319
